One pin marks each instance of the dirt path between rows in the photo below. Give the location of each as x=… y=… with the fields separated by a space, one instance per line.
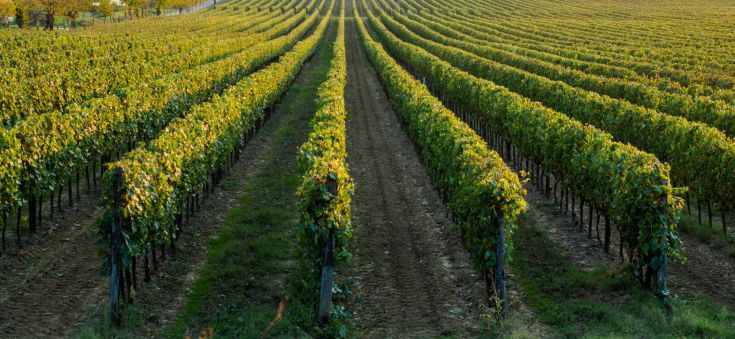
x=412 y=275
x=170 y=290
x=707 y=272
x=52 y=286
x=49 y=282
x=563 y=229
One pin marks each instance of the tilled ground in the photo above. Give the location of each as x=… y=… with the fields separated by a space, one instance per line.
x=161 y=302
x=47 y=284
x=412 y=275
x=707 y=272
x=52 y=285
x=563 y=228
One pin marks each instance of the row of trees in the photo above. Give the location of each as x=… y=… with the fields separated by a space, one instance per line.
x=43 y=10
x=138 y=7
x=47 y=10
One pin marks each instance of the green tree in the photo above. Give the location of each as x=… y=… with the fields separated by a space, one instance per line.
x=105 y=8
x=7 y=9
x=134 y=7
x=182 y=5
x=72 y=9
x=160 y=4
x=21 y=13
x=49 y=8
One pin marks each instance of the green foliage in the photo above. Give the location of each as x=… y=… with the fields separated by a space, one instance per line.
x=66 y=71
x=479 y=186
x=322 y=161
x=670 y=63
x=10 y=165
x=43 y=150
x=701 y=157
x=105 y=8
x=158 y=178
x=21 y=17
x=692 y=107
x=602 y=303
x=626 y=184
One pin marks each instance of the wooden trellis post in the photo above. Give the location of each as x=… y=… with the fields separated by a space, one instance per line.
x=661 y=288
x=115 y=255
x=327 y=279
x=500 y=288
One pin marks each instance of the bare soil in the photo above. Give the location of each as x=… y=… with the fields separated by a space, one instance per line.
x=47 y=284
x=168 y=291
x=707 y=272
x=53 y=284
x=163 y=299
x=563 y=228
x=412 y=275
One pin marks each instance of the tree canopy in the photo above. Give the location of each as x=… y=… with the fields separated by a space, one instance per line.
x=7 y=8
x=105 y=8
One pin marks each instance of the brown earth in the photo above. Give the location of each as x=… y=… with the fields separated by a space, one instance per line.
x=169 y=291
x=47 y=284
x=412 y=275
x=563 y=230
x=707 y=272
x=53 y=285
